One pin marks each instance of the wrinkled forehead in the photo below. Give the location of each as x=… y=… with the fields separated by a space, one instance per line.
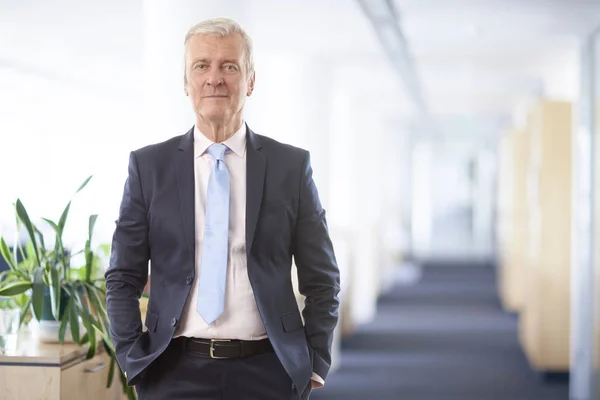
x=215 y=48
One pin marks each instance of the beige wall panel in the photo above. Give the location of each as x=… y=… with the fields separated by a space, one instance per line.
x=545 y=317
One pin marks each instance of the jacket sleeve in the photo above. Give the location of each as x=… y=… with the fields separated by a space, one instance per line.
x=127 y=273
x=318 y=273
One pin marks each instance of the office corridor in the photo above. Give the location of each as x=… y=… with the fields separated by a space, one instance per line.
x=445 y=338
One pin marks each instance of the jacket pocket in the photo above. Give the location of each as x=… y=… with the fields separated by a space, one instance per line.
x=291 y=321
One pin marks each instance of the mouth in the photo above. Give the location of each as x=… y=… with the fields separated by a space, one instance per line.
x=215 y=97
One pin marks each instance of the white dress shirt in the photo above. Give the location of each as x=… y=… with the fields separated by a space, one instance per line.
x=240 y=319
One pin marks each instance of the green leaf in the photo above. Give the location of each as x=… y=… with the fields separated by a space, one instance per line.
x=17 y=300
x=21 y=252
x=73 y=320
x=24 y=310
x=63 y=219
x=111 y=372
x=52 y=224
x=89 y=254
x=88 y=322
x=58 y=246
x=21 y=275
x=92 y=223
x=92 y=339
x=62 y=258
x=29 y=259
x=37 y=297
x=5 y=251
x=96 y=296
x=112 y=367
x=89 y=257
x=107 y=341
x=63 y=323
x=100 y=304
x=14 y=288
x=84 y=184
x=10 y=275
x=55 y=290
x=24 y=217
x=100 y=311
x=128 y=390
x=40 y=237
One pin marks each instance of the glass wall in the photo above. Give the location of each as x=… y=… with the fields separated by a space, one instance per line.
x=594 y=82
x=585 y=324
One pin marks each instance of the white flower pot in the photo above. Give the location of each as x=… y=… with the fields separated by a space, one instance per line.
x=47 y=331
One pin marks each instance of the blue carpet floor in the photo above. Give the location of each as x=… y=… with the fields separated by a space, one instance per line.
x=445 y=338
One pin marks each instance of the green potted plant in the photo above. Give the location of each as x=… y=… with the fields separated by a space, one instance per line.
x=44 y=284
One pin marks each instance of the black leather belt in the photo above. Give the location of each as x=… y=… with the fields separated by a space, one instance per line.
x=220 y=349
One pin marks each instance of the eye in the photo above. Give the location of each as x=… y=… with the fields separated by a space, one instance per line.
x=231 y=67
x=200 y=66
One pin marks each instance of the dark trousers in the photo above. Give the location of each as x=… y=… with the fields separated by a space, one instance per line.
x=180 y=374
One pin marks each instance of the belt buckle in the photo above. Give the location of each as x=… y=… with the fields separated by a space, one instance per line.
x=212 y=348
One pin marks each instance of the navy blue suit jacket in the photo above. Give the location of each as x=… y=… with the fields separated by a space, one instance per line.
x=284 y=219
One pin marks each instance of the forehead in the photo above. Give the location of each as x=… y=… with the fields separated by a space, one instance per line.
x=214 y=47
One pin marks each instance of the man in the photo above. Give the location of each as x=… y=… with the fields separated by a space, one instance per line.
x=220 y=211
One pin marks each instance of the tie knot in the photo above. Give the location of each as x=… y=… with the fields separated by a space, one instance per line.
x=217 y=150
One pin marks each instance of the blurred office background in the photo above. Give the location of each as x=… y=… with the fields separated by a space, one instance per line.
x=469 y=263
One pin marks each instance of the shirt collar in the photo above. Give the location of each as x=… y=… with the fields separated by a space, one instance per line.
x=236 y=143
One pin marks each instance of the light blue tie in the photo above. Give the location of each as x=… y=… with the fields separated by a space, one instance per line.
x=213 y=267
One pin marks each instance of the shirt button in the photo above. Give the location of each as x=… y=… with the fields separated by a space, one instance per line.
x=174 y=322
x=189 y=280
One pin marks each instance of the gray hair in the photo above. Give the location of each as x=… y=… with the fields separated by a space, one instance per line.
x=222 y=27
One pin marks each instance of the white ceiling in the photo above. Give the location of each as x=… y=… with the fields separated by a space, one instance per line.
x=479 y=57
x=475 y=58
x=62 y=36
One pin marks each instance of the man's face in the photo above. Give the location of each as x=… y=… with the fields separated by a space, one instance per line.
x=217 y=81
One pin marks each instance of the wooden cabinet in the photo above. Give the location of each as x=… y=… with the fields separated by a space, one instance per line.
x=545 y=316
x=513 y=219
x=88 y=378
x=37 y=371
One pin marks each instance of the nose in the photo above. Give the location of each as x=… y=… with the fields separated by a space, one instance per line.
x=214 y=79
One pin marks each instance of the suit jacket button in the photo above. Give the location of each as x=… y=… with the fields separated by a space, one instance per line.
x=188 y=280
x=174 y=322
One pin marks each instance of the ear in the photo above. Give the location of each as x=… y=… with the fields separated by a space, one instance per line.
x=251 y=84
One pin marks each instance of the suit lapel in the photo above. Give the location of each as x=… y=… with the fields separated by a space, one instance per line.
x=186 y=185
x=255 y=178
